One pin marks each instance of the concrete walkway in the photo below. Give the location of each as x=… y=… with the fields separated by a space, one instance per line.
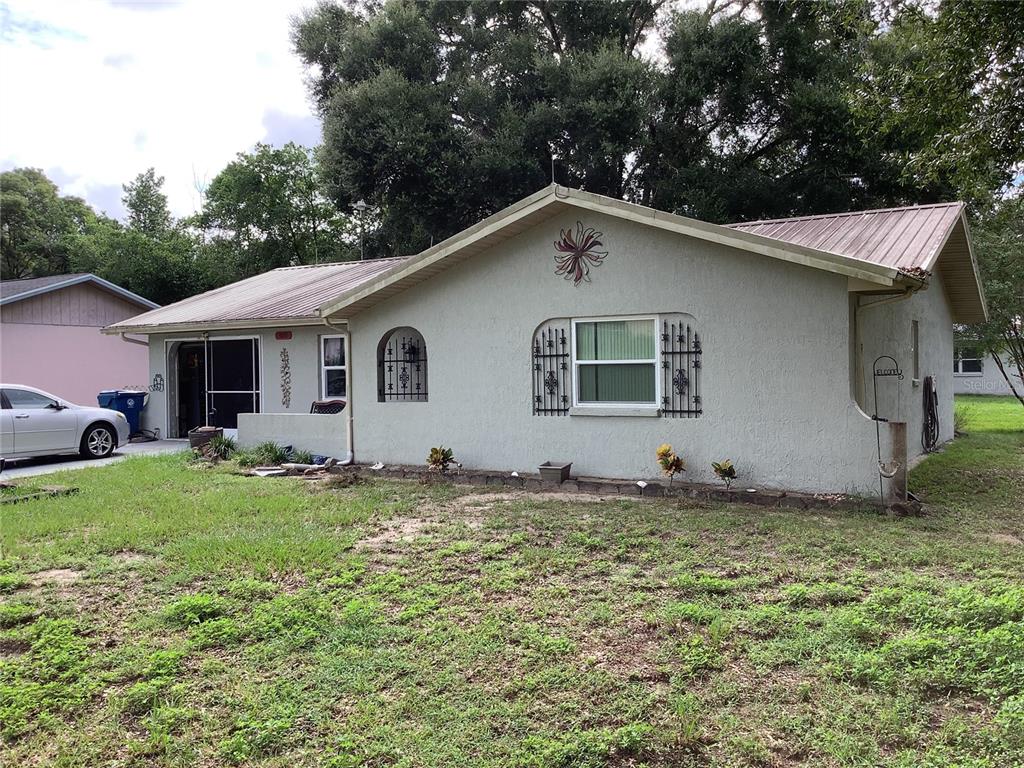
x=42 y=466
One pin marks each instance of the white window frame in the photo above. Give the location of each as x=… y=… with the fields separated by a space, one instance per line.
x=655 y=361
x=958 y=360
x=325 y=368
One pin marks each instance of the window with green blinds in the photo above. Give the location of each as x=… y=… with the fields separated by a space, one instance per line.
x=616 y=361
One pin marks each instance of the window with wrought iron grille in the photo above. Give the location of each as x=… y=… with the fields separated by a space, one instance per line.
x=402 y=367
x=637 y=362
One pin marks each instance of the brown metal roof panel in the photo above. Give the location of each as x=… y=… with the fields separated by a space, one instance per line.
x=289 y=292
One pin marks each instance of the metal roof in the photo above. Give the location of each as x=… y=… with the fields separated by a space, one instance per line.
x=556 y=200
x=917 y=240
x=289 y=295
x=25 y=288
x=908 y=239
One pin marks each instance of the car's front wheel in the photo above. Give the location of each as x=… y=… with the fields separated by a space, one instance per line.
x=98 y=442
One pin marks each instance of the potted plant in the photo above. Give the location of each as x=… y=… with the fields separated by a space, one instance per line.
x=554 y=471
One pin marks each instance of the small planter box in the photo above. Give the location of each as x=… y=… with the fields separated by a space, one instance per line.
x=200 y=436
x=554 y=472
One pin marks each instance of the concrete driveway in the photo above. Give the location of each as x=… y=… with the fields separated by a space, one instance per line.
x=42 y=466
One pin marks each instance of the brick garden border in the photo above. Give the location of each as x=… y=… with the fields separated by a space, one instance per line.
x=629 y=489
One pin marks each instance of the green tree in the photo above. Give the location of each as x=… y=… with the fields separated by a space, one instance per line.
x=146 y=204
x=266 y=210
x=999 y=245
x=439 y=113
x=37 y=226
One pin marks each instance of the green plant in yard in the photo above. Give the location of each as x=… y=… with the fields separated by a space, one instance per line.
x=221 y=446
x=725 y=471
x=963 y=414
x=440 y=458
x=274 y=621
x=302 y=457
x=266 y=454
x=670 y=462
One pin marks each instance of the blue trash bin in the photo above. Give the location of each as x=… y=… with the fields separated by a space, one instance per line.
x=128 y=401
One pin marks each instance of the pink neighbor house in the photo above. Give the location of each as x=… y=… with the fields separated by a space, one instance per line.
x=50 y=336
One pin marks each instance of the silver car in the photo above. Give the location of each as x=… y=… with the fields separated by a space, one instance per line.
x=36 y=423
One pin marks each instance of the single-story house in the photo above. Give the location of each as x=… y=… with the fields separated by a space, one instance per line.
x=50 y=336
x=976 y=372
x=575 y=327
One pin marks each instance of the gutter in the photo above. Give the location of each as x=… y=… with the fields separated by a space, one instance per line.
x=349 y=432
x=124 y=337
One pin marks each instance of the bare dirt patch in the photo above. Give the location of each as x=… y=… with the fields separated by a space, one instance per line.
x=479 y=499
x=399 y=531
x=129 y=557
x=58 y=576
x=1005 y=538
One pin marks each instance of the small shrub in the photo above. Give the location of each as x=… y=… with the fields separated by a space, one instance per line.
x=963 y=414
x=221 y=447
x=671 y=463
x=267 y=454
x=272 y=453
x=302 y=457
x=194 y=609
x=725 y=471
x=439 y=459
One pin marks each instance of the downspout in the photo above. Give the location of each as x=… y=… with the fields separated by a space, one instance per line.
x=347 y=336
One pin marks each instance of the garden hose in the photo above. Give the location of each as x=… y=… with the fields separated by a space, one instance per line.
x=930 y=423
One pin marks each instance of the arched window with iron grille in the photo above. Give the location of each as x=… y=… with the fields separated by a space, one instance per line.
x=402 y=367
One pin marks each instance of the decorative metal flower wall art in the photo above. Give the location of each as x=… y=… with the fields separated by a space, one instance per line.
x=577 y=252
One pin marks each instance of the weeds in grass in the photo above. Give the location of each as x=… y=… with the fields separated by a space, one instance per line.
x=536 y=632
x=193 y=609
x=963 y=415
x=11 y=582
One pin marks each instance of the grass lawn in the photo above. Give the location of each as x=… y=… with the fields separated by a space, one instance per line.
x=173 y=615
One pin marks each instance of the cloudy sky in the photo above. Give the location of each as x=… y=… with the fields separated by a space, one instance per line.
x=96 y=91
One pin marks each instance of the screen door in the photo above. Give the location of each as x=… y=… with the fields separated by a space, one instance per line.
x=233 y=380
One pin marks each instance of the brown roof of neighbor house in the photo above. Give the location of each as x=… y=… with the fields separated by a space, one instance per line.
x=285 y=296
x=905 y=238
x=24 y=288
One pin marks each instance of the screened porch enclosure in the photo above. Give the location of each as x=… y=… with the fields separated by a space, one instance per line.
x=214 y=381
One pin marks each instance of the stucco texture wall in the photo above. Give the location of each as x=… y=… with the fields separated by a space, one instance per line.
x=303 y=366
x=776 y=363
x=74 y=362
x=886 y=330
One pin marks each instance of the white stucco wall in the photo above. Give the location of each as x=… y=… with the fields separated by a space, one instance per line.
x=776 y=364
x=989 y=382
x=886 y=330
x=303 y=361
